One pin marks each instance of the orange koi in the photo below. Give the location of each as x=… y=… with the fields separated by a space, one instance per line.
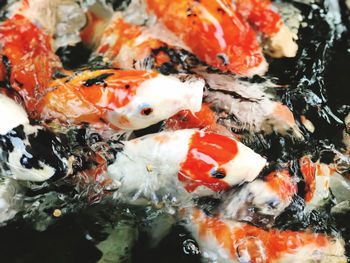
x=230 y=241
x=27 y=59
x=222 y=38
x=127 y=47
x=93 y=30
x=259 y=14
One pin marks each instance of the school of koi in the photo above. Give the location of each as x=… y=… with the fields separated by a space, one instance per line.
x=188 y=70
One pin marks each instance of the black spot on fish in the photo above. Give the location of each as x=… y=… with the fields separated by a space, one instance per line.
x=19 y=83
x=48 y=148
x=5 y=83
x=118 y=5
x=222 y=11
x=59 y=75
x=103 y=120
x=5 y=144
x=224 y=58
x=97 y=80
x=17 y=132
x=127 y=86
x=37 y=149
x=190 y=12
x=7 y=64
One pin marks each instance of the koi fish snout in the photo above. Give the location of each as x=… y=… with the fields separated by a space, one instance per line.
x=157 y=99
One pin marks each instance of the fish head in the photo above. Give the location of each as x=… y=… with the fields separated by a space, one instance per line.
x=218 y=162
x=156 y=98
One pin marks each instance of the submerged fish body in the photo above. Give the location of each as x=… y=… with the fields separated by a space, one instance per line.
x=205 y=119
x=248 y=106
x=321 y=180
x=11 y=195
x=261 y=16
x=162 y=166
x=223 y=240
x=27 y=59
x=28 y=152
x=129 y=47
x=262 y=200
x=123 y=99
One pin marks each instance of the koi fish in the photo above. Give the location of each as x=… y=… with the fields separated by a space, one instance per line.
x=259 y=14
x=131 y=46
x=262 y=200
x=223 y=39
x=321 y=182
x=166 y=165
x=27 y=60
x=204 y=119
x=29 y=152
x=26 y=46
x=223 y=240
x=95 y=27
x=123 y=99
x=247 y=106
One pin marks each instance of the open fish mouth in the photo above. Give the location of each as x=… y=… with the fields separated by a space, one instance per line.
x=167 y=131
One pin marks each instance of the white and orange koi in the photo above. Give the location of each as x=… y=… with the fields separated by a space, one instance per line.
x=121 y=99
x=223 y=240
x=159 y=167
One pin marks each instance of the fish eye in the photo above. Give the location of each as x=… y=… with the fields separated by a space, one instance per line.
x=146 y=111
x=218 y=173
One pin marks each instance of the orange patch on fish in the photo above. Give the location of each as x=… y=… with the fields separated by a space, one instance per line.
x=281 y=183
x=203 y=119
x=308 y=169
x=161 y=139
x=260 y=16
x=89 y=95
x=92 y=31
x=214 y=32
x=206 y=153
x=284 y=112
x=29 y=56
x=122 y=32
